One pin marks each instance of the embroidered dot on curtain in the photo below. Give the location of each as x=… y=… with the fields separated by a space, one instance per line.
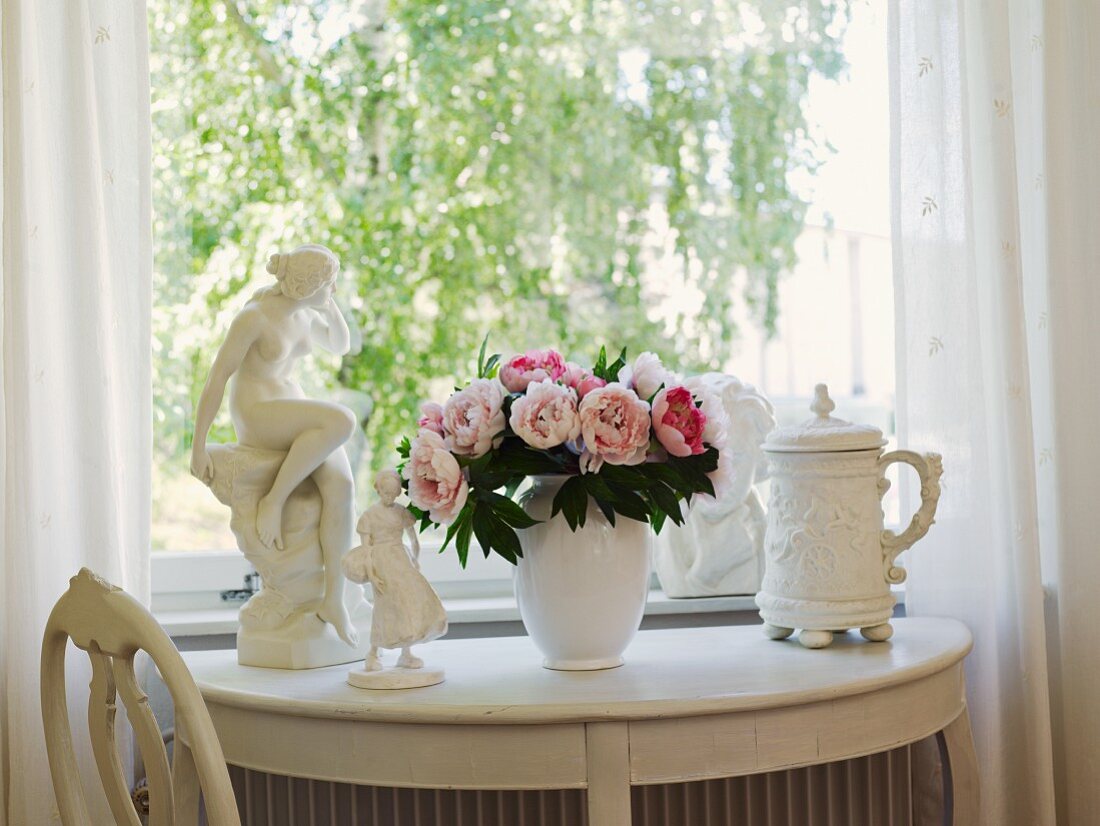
x=75 y=392
x=995 y=224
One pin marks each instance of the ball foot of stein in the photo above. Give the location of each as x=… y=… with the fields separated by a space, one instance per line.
x=878 y=633
x=815 y=639
x=776 y=632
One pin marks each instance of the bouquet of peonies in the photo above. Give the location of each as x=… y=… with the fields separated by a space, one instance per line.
x=634 y=438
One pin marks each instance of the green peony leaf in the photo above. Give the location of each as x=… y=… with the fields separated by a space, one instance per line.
x=455 y=529
x=493 y=534
x=607 y=508
x=507 y=510
x=481 y=357
x=571 y=501
x=668 y=504
x=657 y=521
x=515 y=457
x=628 y=503
x=462 y=540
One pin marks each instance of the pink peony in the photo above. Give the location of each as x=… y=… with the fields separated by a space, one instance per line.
x=534 y=365
x=581 y=379
x=614 y=426
x=588 y=384
x=678 y=423
x=436 y=483
x=717 y=421
x=433 y=417
x=573 y=374
x=546 y=416
x=473 y=419
x=647 y=374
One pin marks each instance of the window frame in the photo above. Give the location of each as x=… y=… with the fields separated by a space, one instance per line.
x=194 y=580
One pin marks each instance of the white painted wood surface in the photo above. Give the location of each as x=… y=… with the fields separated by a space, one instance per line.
x=607 y=747
x=677 y=672
x=962 y=768
x=111 y=626
x=689 y=704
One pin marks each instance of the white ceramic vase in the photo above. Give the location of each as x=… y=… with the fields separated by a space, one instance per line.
x=581 y=595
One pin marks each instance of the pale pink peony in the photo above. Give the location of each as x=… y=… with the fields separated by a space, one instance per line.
x=534 y=365
x=573 y=374
x=581 y=379
x=614 y=426
x=647 y=374
x=436 y=483
x=473 y=420
x=677 y=423
x=546 y=416
x=433 y=417
x=588 y=384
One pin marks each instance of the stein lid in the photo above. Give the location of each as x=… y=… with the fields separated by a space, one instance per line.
x=824 y=433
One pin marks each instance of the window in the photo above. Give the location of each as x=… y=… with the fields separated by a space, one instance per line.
x=703 y=178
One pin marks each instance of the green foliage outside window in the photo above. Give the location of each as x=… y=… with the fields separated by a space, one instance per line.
x=543 y=170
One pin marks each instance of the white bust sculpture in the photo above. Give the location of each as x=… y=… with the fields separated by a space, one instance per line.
x=407 y=611
x=288 y=480
x=719 y=550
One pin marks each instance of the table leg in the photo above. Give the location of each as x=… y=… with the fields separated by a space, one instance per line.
x=964 y=799
x=608 y=758
x=185 y=783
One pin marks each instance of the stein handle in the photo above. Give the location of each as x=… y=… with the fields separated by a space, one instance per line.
x=929 y=466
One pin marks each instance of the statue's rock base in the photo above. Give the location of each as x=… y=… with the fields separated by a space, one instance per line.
x=279 y=625
x=304 y=642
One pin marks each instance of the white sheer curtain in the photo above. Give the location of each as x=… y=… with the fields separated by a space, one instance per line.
x=996 y=106
x=75 y=401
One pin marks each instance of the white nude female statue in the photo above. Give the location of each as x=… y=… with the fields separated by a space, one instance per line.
x=407 y=611
x=278 y=326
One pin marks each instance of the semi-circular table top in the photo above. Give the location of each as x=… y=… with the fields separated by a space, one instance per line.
x=668 y=673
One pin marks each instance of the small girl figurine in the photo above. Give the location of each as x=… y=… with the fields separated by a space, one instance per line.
x=407 y=611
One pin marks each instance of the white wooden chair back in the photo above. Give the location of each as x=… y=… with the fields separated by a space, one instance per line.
x=112 y=627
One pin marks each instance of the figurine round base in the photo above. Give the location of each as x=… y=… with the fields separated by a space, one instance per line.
x=392 y=678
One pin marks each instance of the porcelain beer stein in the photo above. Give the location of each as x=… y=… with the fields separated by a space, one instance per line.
x=829 y=563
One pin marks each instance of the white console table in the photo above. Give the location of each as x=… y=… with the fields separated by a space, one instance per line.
x=690 y=704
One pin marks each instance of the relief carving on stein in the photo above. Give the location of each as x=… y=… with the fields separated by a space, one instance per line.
x=817 y=543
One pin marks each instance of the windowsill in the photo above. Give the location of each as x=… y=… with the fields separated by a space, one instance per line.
x=209 y=621
x=205 y=622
